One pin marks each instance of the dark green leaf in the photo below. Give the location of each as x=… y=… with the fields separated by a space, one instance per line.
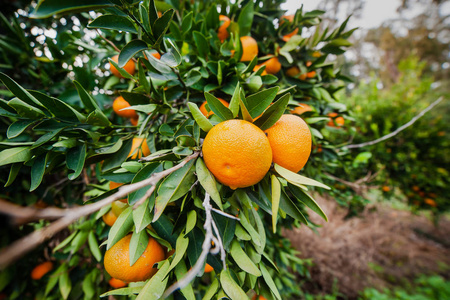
x=142 y=215
x=113 y=22
x=138 y=244
x=218 y=108
x=257 y=103
x=291 y=209
x=14 y=155
x=19 y=91
x=75 y=160
x=161 y=25
x=307 y=200
x=130 y=50
x=245 y=19
x=38 y=170
x=16 y=128
x=164 y=228
x=48 y=8
x=273 y=113
x=201 y=43
x=208 y=182
x=121 y=227
x=26 y=110
x=15 y=168
x=58 y=108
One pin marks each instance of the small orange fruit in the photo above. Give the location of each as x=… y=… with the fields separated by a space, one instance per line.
x=257 y=67
x=273 y=65
x=155 y=54
x=430 y=202
x=208 y=268
x=134 y=121
x=238 y=153
x=290 y=140
x=210 y=113
x=129 y=67
x=249 y=48
x=302 y=108
x=113 y=185
x=311 y=74
x=40 y=270
x=139 y=148
x=222 y=33
x=256 y=297
x=415 y=188
x=117 y=260
x=116 y=283
x=339 y=120
x=120 y=103
x=109 y=218
x=293 y=71
x=385 y=188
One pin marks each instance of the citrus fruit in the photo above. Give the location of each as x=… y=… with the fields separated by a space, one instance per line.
x=40 y=270
x=339 y=120
x=257 y=67
x=293 y=71
x=302 y=108
x=249 y=48
x=109 y=218
x=222 y=33
x=155 y=54
x=208 y=268
x=117 y=207
x=385 y=188
x=129 y=67
x=430 y=202
x=134 y=121
x=290 y=140
x=311 y=74
x=256 y=297
x=117 y=260
x=139 y=148
x=273 y=65
x=120 y=103
x=289 y=18
x=238 y=153
x=116 y=283
x=113 y=185
x=210 y=113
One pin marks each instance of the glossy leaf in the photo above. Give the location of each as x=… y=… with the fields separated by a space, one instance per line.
x=201 y=43
x=273 y=113
x=191 y=221
x=235 y=101
x=257 y=103
x=75 y=160
x=120 y=228
x=16 y=128
x=180 y=250
x=48 y=8
x=130 y=50
x=38 y=170
x=142 y=214
x=233 y=290
x=19 y=91
x=201 y=120
x=295 y=178
x=154 y=288
x=276 y=194
x=245 y=19
x=26 y=110
x=208 y=182
x=14 y=155
x=242 y=260
x=113 y=22
x=307 y=200
x=218 y=108
x=291 y=209
x=143 y=174
x=15 y=168
x=138 y=244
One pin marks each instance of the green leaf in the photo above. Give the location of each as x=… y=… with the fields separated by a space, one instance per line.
x=241 y=234
x=141 y=215
x=58 y=108
x=113 y=22
x=307 y=200
x=273 y=113
x=65 y=285
x=233 y=290
x=26 y=110
x=261 y=231
x=158 y=65
x=15 y=168
x=172 y=57
x=212 y=289
x=123 y=291
x=48 y=8
x=130 y=50
x=208 y=182
x=191 y=221
x=16 y=128
x=340 y=42
x=89 y=284
x=164 y=228
x=93 y=246
x=276 y=195
x=14 y=155
x=253 y=233
x=257 y=103
x=154 y=288
x=186 y=24
x=138 y=244
x=19 y=91
x=243 y=105
x=121 y=71
x=235 y=100
x=180 y=272
x=75 y=160
x=268 y=279
x=242 y=260
x=174 y=186
x=245 y=19
x=161 y=25
x=120 y=228
x=46 y=137
x=226 y=228
x=180 y=250
x=201 y=120
x=38 y=170
x=218 y=108
x=201 y=43
x=295 y=178
x=291 y=209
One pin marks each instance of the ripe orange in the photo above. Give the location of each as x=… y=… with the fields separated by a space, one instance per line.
x=40 y=270
x=293 y=71
x=249 y=48
x=288 y=36
x=223 y=32
x=109 y=218
x=430 y=202
x=257 y=67
x=117 y=260
x=238 y=153
x=385 y=188
x=120 y=103
x=339 y=120
x=290 y=140
x=129 y=67
x=256 y=297
x=415 y=188
x=142 y=148
x=301 y=109
x=210 y=113
x=113 y=185
x=116 y=283
x=155 y=54
x=273 y=65
x=134 y=121
x=208 y=268
x=311 y=74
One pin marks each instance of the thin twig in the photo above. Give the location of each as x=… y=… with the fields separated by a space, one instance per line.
x=401 y=128
x=220 y=245
x=224 y=214
x=20 y=247
x=108 y=41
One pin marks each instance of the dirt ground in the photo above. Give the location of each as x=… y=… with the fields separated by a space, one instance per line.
x=380 y=248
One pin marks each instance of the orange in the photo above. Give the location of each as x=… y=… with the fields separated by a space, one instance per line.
x=113 y=185
x=210 y=113
x=40 y=270
x=249 y=48
x=339 y=120
x=292 y=71
x=116 y=283
x=415 y=188
x=301 y=109
x=109 y=218
x=222 y=33
x=155 y=54
x=290 y=140
x=208 y=268
x=273 y=65
x=120 y=103
x=311 y=74
x=141 y=145
x=430 y=202
x=256 y=297
x=134 y=121
x=238 y=153
x=316 y=54
x=288 y=36
x=257 y=67
x=129 y=67
x=385 y=188
x=117 y=260
x=302 y=76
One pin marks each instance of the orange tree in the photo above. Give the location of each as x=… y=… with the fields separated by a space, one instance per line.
x=134 y=179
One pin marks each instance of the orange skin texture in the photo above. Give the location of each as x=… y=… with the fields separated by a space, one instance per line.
x=120 y=103
x=222 y=33
x=311 y=74
x=301 y=109
x=339 y=120
x=134 y=121
x=139 y=143
x=117 y=260
x=238 y=153
x=273 y=66
x=250 y=48
x=210 y=113
x=116 y=283
x=40 y=270
x=109 y=218
x=385 y=188
x=129 y=67
x=208 y=268
x=290 y=140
